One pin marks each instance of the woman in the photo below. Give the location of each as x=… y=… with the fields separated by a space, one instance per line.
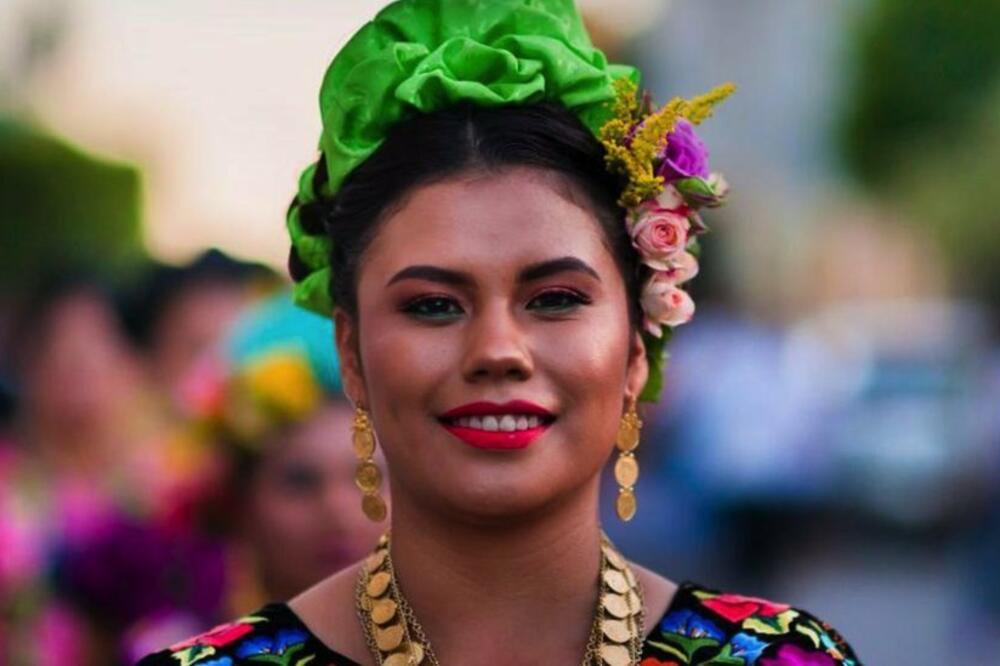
x=500 y=227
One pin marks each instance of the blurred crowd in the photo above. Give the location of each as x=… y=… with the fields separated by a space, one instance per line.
x=174 y=442
x=170 y=456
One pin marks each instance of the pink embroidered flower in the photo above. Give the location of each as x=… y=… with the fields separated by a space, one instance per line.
x=683 y=268
x=664 y=304
x=793 y=655
x=736 y=608
x=220 y=636
x=660 y=235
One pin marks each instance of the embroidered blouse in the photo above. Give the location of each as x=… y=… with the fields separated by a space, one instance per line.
x=700 y=627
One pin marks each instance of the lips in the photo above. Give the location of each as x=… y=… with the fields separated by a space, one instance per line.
x=498 y=426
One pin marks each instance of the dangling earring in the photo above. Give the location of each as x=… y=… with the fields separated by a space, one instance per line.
x=626 y=467
x=368 y=476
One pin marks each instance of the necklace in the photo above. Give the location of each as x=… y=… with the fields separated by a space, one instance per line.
x=396 y=638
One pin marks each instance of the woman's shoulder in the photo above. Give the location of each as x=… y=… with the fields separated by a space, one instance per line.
x=274 y=634
x=703 y=625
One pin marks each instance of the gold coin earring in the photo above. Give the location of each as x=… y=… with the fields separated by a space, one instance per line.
x=627 y=467
x=368 y=476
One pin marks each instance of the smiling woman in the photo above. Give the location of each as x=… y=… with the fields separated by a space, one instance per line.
x=501 y=298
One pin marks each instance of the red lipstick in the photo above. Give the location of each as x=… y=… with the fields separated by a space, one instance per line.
x=499 y=440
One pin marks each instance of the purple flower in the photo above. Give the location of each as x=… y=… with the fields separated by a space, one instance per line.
x=685 y=156
x=792 y=655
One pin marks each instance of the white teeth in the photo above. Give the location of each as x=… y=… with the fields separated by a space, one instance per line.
x=499 y=422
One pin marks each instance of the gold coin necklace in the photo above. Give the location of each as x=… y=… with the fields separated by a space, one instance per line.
x=396 y=638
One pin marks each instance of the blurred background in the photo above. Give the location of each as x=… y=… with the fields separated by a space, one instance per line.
x=830 y=432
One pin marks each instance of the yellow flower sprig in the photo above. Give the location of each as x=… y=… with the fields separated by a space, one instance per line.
x=633 y=139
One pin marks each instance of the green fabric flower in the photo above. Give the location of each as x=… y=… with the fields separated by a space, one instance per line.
x=427 y=55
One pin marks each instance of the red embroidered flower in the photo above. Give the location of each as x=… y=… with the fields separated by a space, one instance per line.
x=222 y=635
x=736 y=608
x=653 y=661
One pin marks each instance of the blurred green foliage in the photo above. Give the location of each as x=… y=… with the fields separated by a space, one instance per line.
x=922 y=125
x=920 y=68
x=59 y=206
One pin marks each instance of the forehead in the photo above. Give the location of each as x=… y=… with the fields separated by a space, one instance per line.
x=489 y=222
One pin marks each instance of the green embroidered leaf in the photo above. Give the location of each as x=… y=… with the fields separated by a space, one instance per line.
x=779 y=624
x=670 y=649
x=193 y=654
x=305 y=660
x=810 y=632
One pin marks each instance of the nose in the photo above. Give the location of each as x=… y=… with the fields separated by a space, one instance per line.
x=496 y=347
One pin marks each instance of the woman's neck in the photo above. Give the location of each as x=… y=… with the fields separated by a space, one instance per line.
x=526 y=591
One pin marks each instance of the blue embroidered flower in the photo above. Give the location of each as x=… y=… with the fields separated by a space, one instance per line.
x=688 y=623
x=283 y=641
x=747 y=646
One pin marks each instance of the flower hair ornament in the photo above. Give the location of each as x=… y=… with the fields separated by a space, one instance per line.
x=421 y=56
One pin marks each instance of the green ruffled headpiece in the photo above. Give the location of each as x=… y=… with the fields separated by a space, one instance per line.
x=420 y=56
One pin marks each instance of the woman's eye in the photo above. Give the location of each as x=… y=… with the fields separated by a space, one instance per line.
x=558 y=301
x=434 y=307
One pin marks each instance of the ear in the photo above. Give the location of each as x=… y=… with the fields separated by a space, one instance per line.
x=348 y=350
x=638 y=368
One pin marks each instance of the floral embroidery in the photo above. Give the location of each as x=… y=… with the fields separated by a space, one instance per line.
x=701 y=628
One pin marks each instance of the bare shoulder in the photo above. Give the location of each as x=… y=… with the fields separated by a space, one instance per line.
x=657 y=592
x=327 y=610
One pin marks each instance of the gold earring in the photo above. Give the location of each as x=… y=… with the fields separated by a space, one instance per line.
x=626 y=467
x=368 y=476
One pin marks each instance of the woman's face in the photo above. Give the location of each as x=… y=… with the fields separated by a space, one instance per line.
x=305 y=519
x=492 y=288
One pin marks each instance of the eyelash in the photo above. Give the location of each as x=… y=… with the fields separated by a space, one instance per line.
x=414 y=306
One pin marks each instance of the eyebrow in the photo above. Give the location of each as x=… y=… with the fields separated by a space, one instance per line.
x=530 y=273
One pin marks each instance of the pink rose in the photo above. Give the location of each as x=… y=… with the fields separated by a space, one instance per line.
x=683 y=268
x=664 y=304
x=660 y=235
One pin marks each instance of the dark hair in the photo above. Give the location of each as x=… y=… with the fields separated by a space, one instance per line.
x=429 y=148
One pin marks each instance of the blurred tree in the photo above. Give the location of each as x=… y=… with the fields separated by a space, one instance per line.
x=920 y=68
x=921 y=126
x=58 y=204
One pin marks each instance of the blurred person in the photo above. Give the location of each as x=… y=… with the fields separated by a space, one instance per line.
x=180 y=312
x=500 y=226
x=72 y=467
x=284 y=491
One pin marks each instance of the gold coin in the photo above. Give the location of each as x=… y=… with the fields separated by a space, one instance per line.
x=397 y=659
x=614 y=559
x=373 y=507
x=616 y=581
x=626 y=470
x=628 y=436
x=616 y=605
x=368 y=477
x=383 y=610
x=383 y=541
x=616 y=630
x=375 y=561
x=363 y=441
x=615 y=655
x=417 y=652
x=378 y=584
x=388 y=639
x=625 y=505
